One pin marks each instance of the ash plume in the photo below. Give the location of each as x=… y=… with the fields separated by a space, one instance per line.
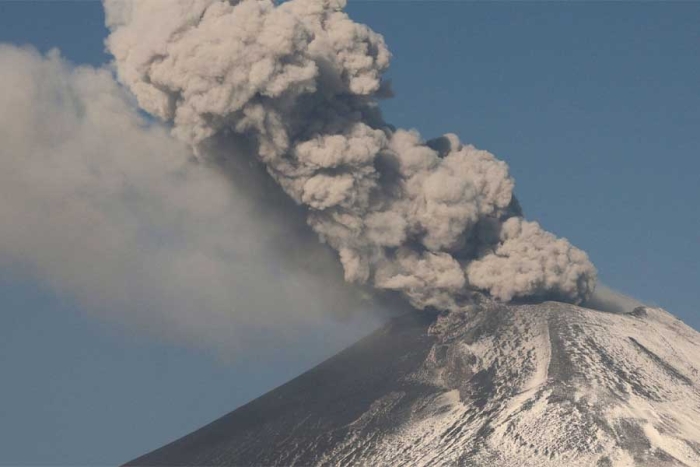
x=436 y=221
x=110 y=212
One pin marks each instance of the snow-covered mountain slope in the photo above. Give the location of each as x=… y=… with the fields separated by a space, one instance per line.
x=529 y=385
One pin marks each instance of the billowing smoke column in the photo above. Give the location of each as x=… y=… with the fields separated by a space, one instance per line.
x=436 y=221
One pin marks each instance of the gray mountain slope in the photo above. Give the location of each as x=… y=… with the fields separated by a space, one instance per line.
x=528 y=385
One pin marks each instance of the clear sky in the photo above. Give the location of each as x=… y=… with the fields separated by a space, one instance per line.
x=595 y=107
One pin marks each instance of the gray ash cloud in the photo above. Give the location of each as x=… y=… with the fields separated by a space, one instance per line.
x=436 y=221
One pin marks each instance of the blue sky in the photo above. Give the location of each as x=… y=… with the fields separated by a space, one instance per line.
x=595 y=107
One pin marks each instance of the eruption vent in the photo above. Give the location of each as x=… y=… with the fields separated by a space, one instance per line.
x=436 y=221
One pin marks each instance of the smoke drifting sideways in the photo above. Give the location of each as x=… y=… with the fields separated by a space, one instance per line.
x=300 y=83
x=109 y=210
x=606 y=299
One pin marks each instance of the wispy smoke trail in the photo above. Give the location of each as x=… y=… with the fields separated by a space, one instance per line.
x=436 y=221
x=606 y=299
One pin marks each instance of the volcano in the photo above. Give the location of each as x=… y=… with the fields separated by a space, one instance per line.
x=546 y=384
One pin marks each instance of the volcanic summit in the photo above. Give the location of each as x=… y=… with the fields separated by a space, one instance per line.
x=536 y=385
